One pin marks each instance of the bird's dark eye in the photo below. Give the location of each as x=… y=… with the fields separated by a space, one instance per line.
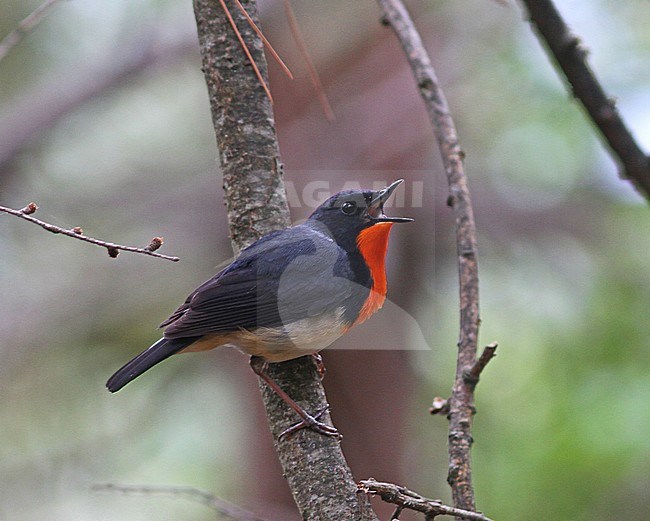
x=349 y=207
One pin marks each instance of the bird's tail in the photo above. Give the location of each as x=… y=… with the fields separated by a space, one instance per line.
x=158 y=352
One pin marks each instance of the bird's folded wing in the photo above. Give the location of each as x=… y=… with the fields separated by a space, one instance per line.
x=273 y=285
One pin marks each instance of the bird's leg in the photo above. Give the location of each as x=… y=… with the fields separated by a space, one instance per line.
x=320 y=365
x=260 y=366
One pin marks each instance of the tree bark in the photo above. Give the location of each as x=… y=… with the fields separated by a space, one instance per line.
x=243 y=121
x=318 y=475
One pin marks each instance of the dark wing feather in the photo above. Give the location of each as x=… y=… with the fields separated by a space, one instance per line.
x=185 y=305
x=284 y=277
x=158 y=352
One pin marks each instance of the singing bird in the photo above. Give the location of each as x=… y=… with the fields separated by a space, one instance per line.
x=289 y=294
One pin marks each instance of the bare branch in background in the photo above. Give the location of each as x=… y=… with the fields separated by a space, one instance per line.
x=311 y=68
x=318 y=475
x=42 y=107
x=567 y=51
x=461 y=403
x=267 y=44
x=217 y=504
x=77 y=233
x=406 y=499
x=24 y=27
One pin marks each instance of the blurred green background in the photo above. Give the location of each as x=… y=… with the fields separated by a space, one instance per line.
x=104 y=122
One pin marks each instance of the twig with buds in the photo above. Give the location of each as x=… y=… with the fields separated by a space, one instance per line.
x=223 y=507
x=78 y=233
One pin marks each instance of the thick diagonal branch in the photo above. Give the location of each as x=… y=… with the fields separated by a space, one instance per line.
x=568 y=52
x=319 y=477
x=461 y=402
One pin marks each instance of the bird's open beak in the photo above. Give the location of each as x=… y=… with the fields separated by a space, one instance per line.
x=376 y=206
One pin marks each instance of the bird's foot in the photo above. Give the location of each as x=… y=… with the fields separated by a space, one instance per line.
x=311 y=422
x=320 y=365
x=259 y=366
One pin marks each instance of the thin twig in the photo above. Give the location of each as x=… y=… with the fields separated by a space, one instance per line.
x=266 y=43
x=217 y=504
x=313 y=73
x=246 y=50
x=407 y=499
x=569 y=53
x=474 y=373
x=461 y=402
x=77 y=233
x=24 y=27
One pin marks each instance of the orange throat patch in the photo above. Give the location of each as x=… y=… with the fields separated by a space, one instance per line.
x=373 y=243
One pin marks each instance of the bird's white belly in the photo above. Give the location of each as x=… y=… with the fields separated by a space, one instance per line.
x=296 y=339
x=300 y=338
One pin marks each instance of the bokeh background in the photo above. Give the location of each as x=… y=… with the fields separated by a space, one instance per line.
x=104 y=122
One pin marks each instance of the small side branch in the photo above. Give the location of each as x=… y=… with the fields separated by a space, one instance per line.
x=473 y=374
x=77 y=233
x=217 y=504
x=406 y=499
x=440 y=406
x=470 y=376
x=569 y=53
x=24 y=27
